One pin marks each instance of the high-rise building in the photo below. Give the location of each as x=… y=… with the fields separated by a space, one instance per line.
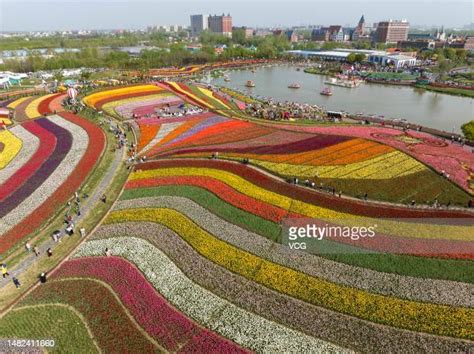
x=199 y=23
x=392 y=31
x=221 y=24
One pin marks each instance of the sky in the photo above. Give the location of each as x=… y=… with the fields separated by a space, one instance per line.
x=31 y=15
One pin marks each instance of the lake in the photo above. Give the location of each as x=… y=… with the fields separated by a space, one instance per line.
x=431 y=109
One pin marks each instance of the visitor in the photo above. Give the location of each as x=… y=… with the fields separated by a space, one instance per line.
x=365 y=196
x=103 y=198
x=413 y=202
x=28 y=247
x=82 y=232
x=36 y=251
x=107 y=252
x=340 y=194
x=5 y=271
x=16 y=282
x=43 y=278
x=49 y=252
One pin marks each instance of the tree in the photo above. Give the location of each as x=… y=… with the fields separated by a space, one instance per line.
x=351 y=58
x=360 y=57
x=468 y=130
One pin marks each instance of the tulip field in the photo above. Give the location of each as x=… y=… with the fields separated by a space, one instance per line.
x=43 y=161
x=197 y=259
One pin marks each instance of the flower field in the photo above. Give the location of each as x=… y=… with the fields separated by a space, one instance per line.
x=43 y=162
x=198 y=258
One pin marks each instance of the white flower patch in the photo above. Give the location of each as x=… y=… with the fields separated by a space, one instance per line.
x=80 y=141
x=30 y=144
x=243 y=327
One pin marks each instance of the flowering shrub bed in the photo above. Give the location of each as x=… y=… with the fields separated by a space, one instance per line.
x=164 y=130
x=243 y=327
x=11 y=147
x=113 y=329
x=327 y=325
x=431 y=318
x=169 y=327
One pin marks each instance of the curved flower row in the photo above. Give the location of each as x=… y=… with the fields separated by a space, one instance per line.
x=413 y=266
x=47 y=134
x=61 y=184
x=116 y=107
x=30 y=144
x=164 y=130
x=11 y=146
x=17 y=101
x=434 y=155
x=32 y=110
x=37 y=189
x=102 y=318
x=94 y=99
x=164 y=323
x=243 y=327
x=421 y=317
x=347 y=331
x=148 y=177
x=442 y=292
x=351 y=207
x=20 y=109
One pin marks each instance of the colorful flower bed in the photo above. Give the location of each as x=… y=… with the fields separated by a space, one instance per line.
x=60 y=164
x=390 y=311
x=152 y=312
x=327 y=325
x=243 y=327
x=98 y=99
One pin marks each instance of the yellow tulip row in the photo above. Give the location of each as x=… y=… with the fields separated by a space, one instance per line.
x=393 y=164
x=15 y=103
x=417 y=316
x=11 y=146
x=31 y=110
x=398 y=228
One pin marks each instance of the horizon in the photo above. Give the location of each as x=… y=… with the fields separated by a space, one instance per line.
x=118 y=15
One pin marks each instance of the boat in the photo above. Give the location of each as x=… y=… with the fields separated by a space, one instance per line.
x=294 y=86
x=226 y=79
x=298 y=69
x=250 y=83
x=326 y=92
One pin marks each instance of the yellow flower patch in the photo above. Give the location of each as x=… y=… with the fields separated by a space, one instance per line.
x=92 y=99
x=12 y=145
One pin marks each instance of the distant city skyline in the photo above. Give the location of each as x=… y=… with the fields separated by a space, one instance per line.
x=41 y=15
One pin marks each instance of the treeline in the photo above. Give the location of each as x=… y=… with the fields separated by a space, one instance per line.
x=167 y=54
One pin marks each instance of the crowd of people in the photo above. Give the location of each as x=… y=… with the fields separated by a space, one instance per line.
x=271 y=110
